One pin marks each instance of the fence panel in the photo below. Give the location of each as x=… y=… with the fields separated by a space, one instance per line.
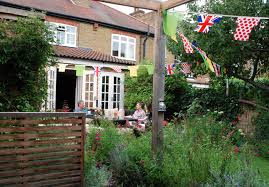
x=42 y=149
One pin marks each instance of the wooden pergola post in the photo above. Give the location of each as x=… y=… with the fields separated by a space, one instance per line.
x=158 y=85
x=159 y=63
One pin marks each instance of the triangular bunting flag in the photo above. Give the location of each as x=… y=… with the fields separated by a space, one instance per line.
x=150 y=69
x=62 y=67
x=97 y=71
x=133 y=71
x=244 y=28
x=79 y=70
x=187 y=45
x=170 y=22
x=117 y=69
x=206 y=22
x=170 y=69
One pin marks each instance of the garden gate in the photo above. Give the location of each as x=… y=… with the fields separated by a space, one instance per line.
x=42 y=149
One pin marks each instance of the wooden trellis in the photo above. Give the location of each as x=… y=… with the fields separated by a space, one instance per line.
x=159 y=60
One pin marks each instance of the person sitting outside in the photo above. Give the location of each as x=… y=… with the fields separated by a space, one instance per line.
x=140 y=116
x=81 y=107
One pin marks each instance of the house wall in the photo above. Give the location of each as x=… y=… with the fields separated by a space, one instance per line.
x=149 y=18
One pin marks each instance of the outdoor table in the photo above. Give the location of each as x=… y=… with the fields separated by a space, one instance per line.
x=91 y=116
x=121 y=122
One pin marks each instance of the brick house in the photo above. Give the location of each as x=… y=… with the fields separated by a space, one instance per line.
x=91 y=34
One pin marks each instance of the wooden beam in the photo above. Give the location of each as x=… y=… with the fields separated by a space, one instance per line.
x=173 y=3
x=158 y=87
x=145 y=4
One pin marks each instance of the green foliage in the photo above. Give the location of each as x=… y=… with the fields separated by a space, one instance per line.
x=25 y=51
x=139 y=89
x=262 y=126
x=94 y=176
x=237 y=56
x=195 y=154
x=178 y=94
x=215 y=99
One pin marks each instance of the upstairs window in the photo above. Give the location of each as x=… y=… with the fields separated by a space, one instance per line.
x=65 y=35
x=123 y=47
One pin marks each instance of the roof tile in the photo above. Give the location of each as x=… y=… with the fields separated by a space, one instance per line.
x=96 y=12
x=88 y=54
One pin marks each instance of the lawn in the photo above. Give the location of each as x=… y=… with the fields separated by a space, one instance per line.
x=262 y=165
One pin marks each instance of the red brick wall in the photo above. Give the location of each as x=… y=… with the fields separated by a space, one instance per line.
x=62 y=20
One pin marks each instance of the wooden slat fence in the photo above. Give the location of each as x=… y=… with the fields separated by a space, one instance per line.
x=42 y=149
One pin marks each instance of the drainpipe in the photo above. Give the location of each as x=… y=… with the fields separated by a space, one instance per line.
x=144 y=44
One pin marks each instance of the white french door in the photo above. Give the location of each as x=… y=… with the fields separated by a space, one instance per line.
x=111 y=90
x=51 y=98
x=89 y=89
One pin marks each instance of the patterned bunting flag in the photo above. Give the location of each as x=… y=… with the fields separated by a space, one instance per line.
x=244 y=28
x=97 y=71
x=170 y=69
x=117 y=69
x=206 y=22
x=186 y=68
x=217 y=69
x=187 y=45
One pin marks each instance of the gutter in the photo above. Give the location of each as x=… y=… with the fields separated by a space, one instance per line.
x=144 y=43
x=74 y=18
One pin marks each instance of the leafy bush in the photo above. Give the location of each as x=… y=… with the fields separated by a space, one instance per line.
x=95 y=176
x=139 y=89
x=25 y=51
x=196 y=153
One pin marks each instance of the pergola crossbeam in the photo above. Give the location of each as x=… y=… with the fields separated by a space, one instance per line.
x=145 y=4
x=173 y=3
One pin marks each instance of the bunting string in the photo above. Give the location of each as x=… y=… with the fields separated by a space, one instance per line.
x=219 y=15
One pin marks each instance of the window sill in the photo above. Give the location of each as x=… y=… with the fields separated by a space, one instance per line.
x=124 y=58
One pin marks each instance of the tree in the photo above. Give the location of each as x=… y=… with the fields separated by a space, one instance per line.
x=25 y=51
x=243 y=60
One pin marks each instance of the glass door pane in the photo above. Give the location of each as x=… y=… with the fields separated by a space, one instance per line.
x=51 y=99
x=105 y=92
x=116 y=92
x=89 y=90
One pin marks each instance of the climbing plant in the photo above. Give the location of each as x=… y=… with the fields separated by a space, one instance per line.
x=25 y=51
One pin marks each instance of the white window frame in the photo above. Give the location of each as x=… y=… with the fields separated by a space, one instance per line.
x=66 y=33
x=127 y=44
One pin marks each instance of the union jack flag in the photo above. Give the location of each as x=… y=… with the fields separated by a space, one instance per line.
x=205 y=22
x=170 y=69
x=97 y=71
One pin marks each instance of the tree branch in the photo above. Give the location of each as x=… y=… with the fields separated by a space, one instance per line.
x=253 y=104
